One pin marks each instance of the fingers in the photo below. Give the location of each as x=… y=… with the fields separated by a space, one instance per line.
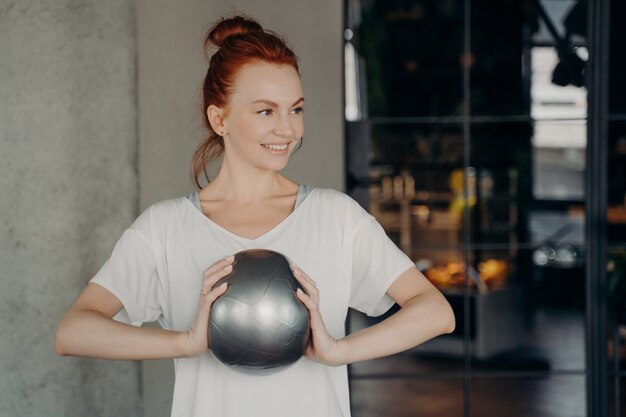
x=212 y=295
x=216 y=272
x=310 y=287
x=306 y=300
x=198 y=332
x=219 y=265
x=310 y=296
x=322 y=347
x=209 y=281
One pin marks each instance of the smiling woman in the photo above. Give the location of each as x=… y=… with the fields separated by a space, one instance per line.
x=264 y=113
x=245 y=52
x=166 y=266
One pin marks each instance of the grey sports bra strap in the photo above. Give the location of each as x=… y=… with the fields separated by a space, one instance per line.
x=303 y=191
x=194 y=197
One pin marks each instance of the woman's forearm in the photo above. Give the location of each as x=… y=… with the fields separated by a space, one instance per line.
x=89 y=330
x=420 y=319
x=92 y=334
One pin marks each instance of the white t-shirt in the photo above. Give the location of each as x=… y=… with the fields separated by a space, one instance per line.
x=156 y=271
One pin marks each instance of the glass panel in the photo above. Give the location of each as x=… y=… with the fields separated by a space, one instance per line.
x=498 y=78
x=616 y=284
x=558 y=276
x=616 y=216
x=407 y=397
x=499 y=182
x=498 y=310
x=551 y=101
x=616 y=233
x=621 y=409
x=617 y=60
x=408 y=182
x=557 y=305
x=558 y=55
x=559 y=160
x=518 y=47
x=526 y=315
x=554 y=396
x=520 y=182
x=617 y=396
x=526 y=307
x=566 y=16
x=562 y=225
x=406 y=58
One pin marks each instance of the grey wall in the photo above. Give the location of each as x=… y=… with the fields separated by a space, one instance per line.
x=171 y=71
x=68 y=187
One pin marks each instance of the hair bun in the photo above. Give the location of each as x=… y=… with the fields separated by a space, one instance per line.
x=227 y=27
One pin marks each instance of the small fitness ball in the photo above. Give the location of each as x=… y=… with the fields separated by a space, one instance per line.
x=259 y=326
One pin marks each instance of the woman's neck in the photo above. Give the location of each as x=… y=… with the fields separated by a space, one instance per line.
x=247 y=187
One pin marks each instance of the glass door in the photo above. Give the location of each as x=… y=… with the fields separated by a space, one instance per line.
x=466 y=137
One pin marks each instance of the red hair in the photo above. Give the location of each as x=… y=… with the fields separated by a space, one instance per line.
x=241 y=40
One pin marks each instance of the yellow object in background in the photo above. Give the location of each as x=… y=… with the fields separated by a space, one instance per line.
x=492 y=272
x=456 y=181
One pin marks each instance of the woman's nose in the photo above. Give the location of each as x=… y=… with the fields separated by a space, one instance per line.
x=284 y=127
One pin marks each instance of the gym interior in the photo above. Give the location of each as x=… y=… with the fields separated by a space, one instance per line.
x=487 y=137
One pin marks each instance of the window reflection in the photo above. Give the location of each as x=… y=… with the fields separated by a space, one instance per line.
x=617 y=396
x=498 y=33
x=501 y=156
x=558 y=170
x=498 y=211
x=474 y=163
x=616 y=283
x=616 y=216
x=617 y=67
x=616 y=231
x=559 y=134
x=411 y=54
x=414 y=189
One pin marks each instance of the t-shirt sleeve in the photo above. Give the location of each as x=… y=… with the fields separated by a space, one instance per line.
x=131 y=274
x=376 y=263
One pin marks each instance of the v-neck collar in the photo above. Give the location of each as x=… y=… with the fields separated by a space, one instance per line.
x=261 y=237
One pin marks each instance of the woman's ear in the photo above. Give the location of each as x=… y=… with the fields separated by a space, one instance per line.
x=216 y=119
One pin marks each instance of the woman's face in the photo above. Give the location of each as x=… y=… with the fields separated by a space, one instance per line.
x=263 y=120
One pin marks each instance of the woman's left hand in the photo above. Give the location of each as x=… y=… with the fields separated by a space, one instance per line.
x=323 y=347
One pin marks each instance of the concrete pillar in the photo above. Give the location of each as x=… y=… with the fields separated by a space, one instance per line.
x=68 y=188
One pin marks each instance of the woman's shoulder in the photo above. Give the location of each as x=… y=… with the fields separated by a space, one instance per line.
x=167 y=207
x=328 y=196
x=337 y=202
x=334 y=195
x=160 y=213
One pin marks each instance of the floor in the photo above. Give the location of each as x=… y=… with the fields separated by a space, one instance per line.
x=543 y=377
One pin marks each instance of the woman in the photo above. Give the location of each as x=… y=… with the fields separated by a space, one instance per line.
x=165 y=265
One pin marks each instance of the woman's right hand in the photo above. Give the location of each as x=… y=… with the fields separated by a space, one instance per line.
x=197 y=335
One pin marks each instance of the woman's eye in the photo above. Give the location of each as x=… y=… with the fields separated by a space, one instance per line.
x=298 y=110
x=266 y=112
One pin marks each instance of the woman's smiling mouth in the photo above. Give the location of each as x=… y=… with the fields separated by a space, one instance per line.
x=276 y=147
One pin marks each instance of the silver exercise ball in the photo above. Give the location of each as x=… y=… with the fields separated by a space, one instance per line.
x=259 y=326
